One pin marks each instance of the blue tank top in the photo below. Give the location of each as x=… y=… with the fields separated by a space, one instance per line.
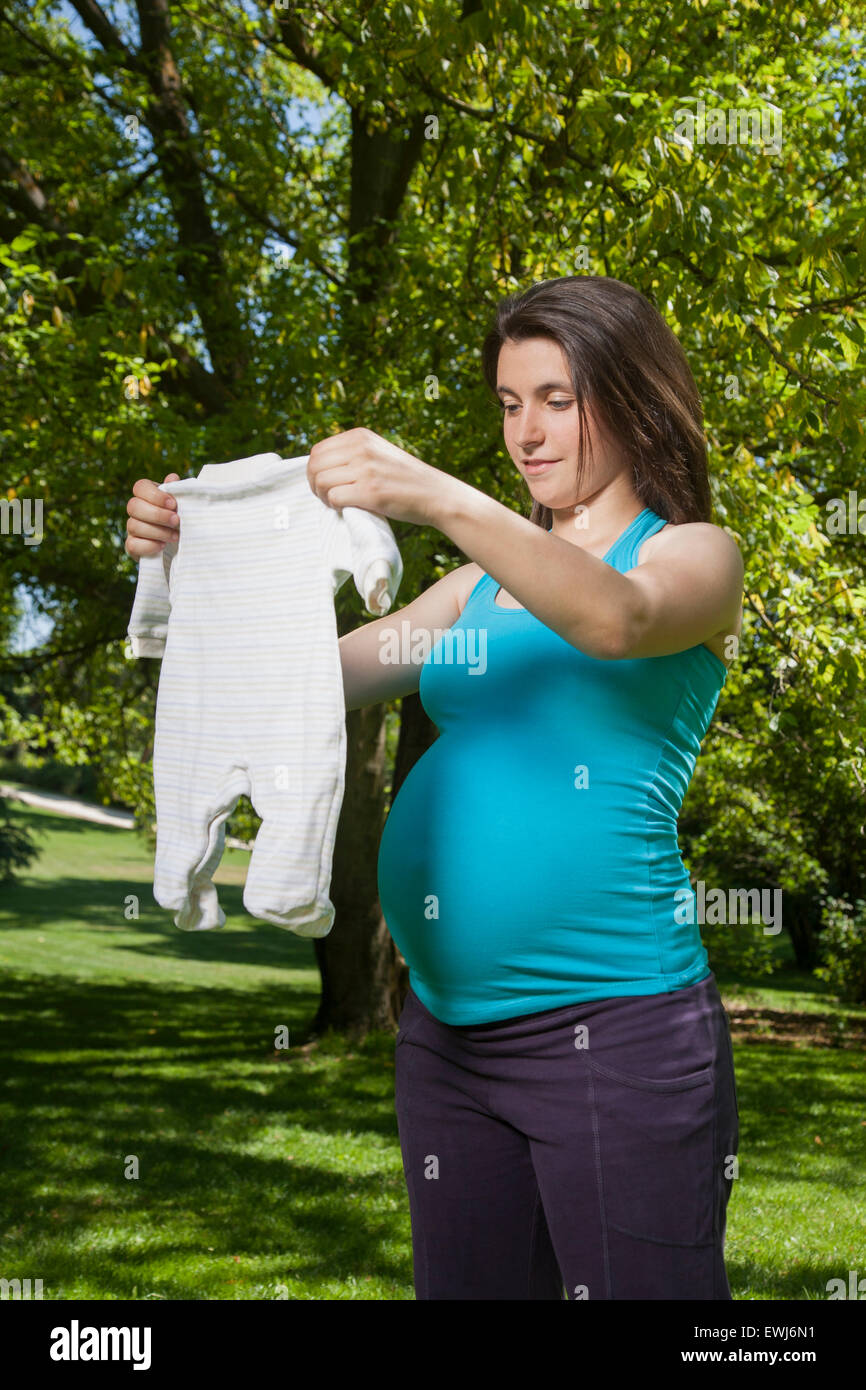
x=530 y=858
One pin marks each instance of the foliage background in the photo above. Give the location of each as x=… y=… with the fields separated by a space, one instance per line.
x=228 y=228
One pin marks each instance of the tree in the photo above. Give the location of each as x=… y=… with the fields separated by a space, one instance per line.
x=235 y=229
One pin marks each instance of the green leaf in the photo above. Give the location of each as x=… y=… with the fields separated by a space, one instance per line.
x=850 y=349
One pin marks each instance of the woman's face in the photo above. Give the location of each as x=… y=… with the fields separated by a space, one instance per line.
x=541 y=423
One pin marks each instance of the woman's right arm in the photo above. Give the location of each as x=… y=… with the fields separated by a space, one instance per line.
x=377 y=658
x=370 y=671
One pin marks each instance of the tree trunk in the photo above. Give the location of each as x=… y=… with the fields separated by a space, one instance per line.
x=364 y=976
x=802 y=919
x=358 y=959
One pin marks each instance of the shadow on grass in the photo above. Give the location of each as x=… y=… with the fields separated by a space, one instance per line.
x=807 y=1280
x=187 y=1080
x=99 y=904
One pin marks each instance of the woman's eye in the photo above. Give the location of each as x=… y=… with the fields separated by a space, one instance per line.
x=557 y=405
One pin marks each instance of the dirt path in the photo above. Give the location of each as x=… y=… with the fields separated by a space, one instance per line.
x=62 y=805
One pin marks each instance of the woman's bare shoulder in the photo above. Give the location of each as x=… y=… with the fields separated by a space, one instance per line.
x=697 y=532
x=710 y=538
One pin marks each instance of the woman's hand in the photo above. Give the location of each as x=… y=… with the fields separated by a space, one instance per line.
x=358 y=468
x=153 y=518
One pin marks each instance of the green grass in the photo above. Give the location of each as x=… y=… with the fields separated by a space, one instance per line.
x=261 y=1172
x=257 y=1168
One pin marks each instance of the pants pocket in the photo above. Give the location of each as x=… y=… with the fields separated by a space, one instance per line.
x=656 y=1140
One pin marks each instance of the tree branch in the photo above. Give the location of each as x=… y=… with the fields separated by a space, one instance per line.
x=293 y=38
x=200 y=259
x=805 y=382
x=264 y=220
x=29 y=201
x=103 y=30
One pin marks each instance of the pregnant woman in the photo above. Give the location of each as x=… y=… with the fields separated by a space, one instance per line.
x=565 y=1091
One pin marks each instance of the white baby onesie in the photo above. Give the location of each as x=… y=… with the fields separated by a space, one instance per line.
x=250 y=698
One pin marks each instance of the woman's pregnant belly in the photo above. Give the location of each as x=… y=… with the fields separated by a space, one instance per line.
x=499 y=871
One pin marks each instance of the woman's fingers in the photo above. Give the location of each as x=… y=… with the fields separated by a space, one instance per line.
x=138 y=548
x=148 y=505
x=150 y=531
x=153 y=518
x=148 y=493
x=148 y=513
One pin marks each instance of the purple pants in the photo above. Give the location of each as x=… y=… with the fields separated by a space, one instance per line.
x=582 y=1152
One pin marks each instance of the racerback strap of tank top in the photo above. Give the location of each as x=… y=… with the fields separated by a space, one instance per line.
x=627 y=547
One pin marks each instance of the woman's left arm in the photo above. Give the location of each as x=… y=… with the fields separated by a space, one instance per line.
x=671 y=602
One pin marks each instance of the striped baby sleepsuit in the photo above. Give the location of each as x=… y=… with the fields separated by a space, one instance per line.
x=250 y=698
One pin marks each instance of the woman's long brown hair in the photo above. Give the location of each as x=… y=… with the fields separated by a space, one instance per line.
x=628 y=366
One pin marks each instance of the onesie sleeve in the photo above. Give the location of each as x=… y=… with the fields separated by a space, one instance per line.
x=362 y=544
x=148 y=623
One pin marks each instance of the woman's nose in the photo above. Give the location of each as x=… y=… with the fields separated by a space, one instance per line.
x=530 y=430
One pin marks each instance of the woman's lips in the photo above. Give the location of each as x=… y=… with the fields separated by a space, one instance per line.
x=539 y=465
